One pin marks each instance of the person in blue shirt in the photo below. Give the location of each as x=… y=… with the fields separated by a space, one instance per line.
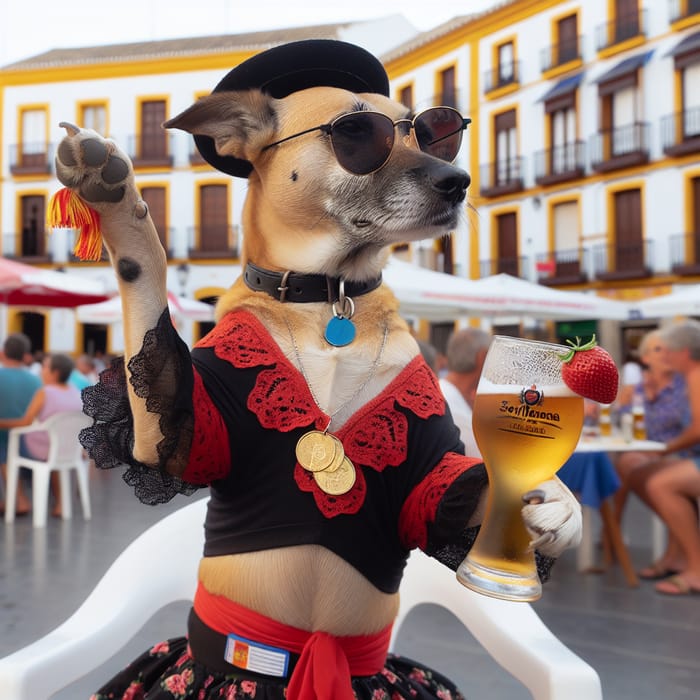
x=17 y=388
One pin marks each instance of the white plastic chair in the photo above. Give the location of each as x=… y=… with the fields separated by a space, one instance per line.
x=119 y=604
x=65 y=455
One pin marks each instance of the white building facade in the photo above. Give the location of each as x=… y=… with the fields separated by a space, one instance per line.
x=584 y=145
x=583 y=151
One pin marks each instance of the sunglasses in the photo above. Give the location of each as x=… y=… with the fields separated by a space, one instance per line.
x=362 y=141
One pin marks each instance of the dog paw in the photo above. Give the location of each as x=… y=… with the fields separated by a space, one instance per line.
x=553 y=518
x=93 y=166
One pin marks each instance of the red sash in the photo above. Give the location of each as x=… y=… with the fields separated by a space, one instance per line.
x=326 y=662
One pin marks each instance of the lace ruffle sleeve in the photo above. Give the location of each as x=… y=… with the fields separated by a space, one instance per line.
x=161 y=373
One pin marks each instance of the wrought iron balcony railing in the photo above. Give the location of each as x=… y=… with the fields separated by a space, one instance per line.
x=560 y=163
x=562 y=266
x=31 y=158
x=680 y=132
x=622 y=28
x=517 y=266
x=621 y=147
x=151 y=150
x=561 y=53
x=682 y=9
x=502 y=177
x=502 y=75
x=617 y=261
x=213 y=241
x=684 y=253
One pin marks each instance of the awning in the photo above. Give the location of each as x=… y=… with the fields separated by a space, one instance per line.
x=689 y=44
x=563 y=87
x=625 y=67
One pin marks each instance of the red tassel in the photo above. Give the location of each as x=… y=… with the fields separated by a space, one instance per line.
x=67 y=210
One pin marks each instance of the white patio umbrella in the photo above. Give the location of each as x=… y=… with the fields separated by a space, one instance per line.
x=110 y=311
x=440 y=297
x=683 y=301
x=512 y=295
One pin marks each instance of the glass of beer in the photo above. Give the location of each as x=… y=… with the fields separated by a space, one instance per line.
x=526 y=422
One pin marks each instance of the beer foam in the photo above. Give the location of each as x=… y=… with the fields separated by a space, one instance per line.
x=554 y=390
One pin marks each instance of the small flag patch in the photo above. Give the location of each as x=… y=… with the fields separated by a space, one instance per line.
x=259 y=658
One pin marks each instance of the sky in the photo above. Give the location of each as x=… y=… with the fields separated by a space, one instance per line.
x=30 y=27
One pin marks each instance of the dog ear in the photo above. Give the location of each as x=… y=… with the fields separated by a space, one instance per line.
x=240 y=123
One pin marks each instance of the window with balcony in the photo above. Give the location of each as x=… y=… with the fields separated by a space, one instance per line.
x=565 y=159
x=505 y=68
x=506 y=61
x=623 y=139
x=94 y=116
x=151 y=148
x=504 y=174
x=155 y=198
x=680 y=131
x=505 y=235
x=213 y=236
x=31 y=156
x=405 y=96
x=448 y=87
x=626 y=255
x=565 y=263
x=32 y=242
x=626 y=24
x=685 y=248
x=567 y=44
x=682 y=9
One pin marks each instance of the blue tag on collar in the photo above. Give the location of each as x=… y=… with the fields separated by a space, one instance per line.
x=340 y=331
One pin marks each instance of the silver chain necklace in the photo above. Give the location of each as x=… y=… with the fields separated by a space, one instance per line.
x=368 y=379
x=321 y=453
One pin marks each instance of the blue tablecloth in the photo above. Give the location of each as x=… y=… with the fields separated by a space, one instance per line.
x=591 y=475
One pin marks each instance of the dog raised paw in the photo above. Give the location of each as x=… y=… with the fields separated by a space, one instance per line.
x=553 y=518
x=93 y=167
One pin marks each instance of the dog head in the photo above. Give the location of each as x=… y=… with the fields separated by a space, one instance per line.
x=307 y=209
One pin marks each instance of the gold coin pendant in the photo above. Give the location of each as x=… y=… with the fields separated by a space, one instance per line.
x=338 y=482
x=316 y=451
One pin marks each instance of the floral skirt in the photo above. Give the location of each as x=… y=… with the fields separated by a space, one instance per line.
x=168 y=672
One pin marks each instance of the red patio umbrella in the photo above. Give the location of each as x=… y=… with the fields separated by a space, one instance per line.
x=25 y=285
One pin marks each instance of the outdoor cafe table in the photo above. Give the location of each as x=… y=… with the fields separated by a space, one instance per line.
x=590 y=474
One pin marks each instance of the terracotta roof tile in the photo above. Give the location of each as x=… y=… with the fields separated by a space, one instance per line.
x=168 y=48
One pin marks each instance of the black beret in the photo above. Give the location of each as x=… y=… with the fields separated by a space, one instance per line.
x=285 y=69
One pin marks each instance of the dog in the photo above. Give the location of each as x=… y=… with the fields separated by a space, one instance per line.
x=338 y=173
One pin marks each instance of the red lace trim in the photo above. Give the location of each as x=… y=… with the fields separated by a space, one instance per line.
x=375 y=437
x=280 y=401
x=239 y=338
x=346 y=504
x=421 y=505
x=206 y=465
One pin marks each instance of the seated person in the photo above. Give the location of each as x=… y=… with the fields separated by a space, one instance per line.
x=666 y=414
x=55 y=396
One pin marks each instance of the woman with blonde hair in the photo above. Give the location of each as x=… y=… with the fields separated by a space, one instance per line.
x=666 y=411
x=673 y=489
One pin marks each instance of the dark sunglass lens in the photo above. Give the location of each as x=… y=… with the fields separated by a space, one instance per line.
x=362 y=141
x=439 y=132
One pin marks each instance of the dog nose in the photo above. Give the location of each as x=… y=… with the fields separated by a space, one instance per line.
x=450 y=182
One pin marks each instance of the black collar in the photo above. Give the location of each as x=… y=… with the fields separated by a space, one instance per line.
x=303 y=288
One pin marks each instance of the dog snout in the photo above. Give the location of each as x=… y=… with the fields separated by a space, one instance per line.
x=450 y=182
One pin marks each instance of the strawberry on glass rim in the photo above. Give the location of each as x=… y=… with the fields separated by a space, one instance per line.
x=590 y=371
